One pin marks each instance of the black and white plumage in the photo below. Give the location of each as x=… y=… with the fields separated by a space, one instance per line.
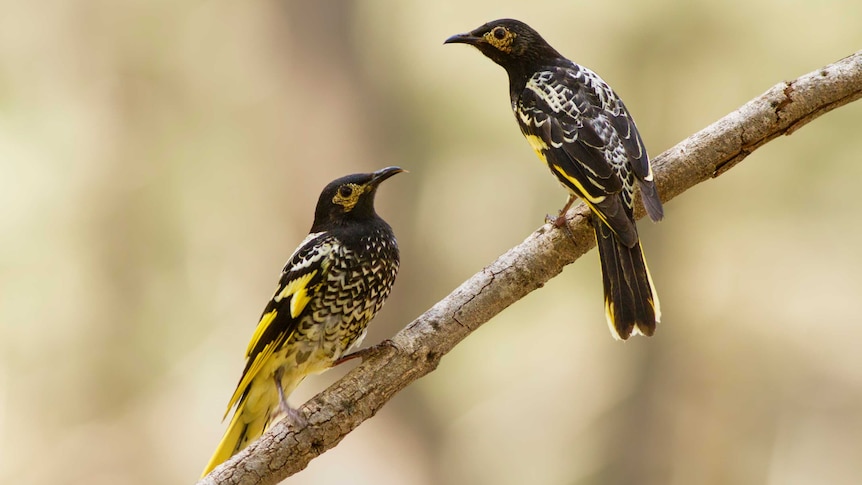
x=331 y=287
x=581 y=129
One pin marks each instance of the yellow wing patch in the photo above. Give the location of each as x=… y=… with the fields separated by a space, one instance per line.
x=262 y=325
x=583 y=192
x=299 y=289
x=259 y=359
x=539 y=146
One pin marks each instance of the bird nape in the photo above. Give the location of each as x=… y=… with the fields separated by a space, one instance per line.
x=582 y=131
x=331 y=287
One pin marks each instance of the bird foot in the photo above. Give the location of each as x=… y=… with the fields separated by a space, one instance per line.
x=297 y=420
x=294 y=417
x=560 y=222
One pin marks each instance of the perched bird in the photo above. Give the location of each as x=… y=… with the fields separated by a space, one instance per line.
x=331 y=287
x=581 y=129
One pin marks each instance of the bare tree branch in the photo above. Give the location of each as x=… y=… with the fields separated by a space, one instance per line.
x=417 y=349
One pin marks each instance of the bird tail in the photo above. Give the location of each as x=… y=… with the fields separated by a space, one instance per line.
x=247 y=424
x=631 y=302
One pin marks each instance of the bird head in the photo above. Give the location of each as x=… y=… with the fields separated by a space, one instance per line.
x=508 y=42
x=350 y=198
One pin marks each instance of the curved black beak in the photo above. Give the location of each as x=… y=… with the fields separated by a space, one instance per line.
x=465 y=38
x=383 y=174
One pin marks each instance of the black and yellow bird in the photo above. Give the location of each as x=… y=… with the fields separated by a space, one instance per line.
x=581 y=129
x=331 y=287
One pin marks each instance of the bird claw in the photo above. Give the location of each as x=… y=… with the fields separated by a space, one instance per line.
x=560 y=222
x=294 y=416
x=569 y=233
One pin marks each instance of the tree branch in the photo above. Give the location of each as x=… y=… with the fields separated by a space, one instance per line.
x=417 y=349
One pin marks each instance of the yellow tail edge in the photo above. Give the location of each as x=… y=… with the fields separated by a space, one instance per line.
x=229 y=443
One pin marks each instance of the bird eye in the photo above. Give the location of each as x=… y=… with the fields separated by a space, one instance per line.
x=345 y=191
x=499 y=33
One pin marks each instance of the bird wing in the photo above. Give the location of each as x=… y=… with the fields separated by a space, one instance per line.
x=300 y=279
x=638 y=159
x=563 y=113
x=625 y=127
x=577 y=125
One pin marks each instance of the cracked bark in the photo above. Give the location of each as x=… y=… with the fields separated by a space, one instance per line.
x=418 y=348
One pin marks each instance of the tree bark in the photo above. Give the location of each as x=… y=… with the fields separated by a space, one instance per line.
x=417 y=349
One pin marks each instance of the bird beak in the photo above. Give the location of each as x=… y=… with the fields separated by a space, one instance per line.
x=465 y=38
x=383 y=174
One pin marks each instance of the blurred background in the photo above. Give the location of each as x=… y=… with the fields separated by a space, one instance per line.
x=160 y=160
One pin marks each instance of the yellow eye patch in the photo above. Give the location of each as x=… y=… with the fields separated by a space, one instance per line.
x=348 y=195
x=501 y=38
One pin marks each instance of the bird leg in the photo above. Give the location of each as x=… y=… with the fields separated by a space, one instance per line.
x=560 y=221
x=295 y=417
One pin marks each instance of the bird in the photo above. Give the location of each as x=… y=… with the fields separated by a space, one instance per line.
x=582 y=131
x=331 y=287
